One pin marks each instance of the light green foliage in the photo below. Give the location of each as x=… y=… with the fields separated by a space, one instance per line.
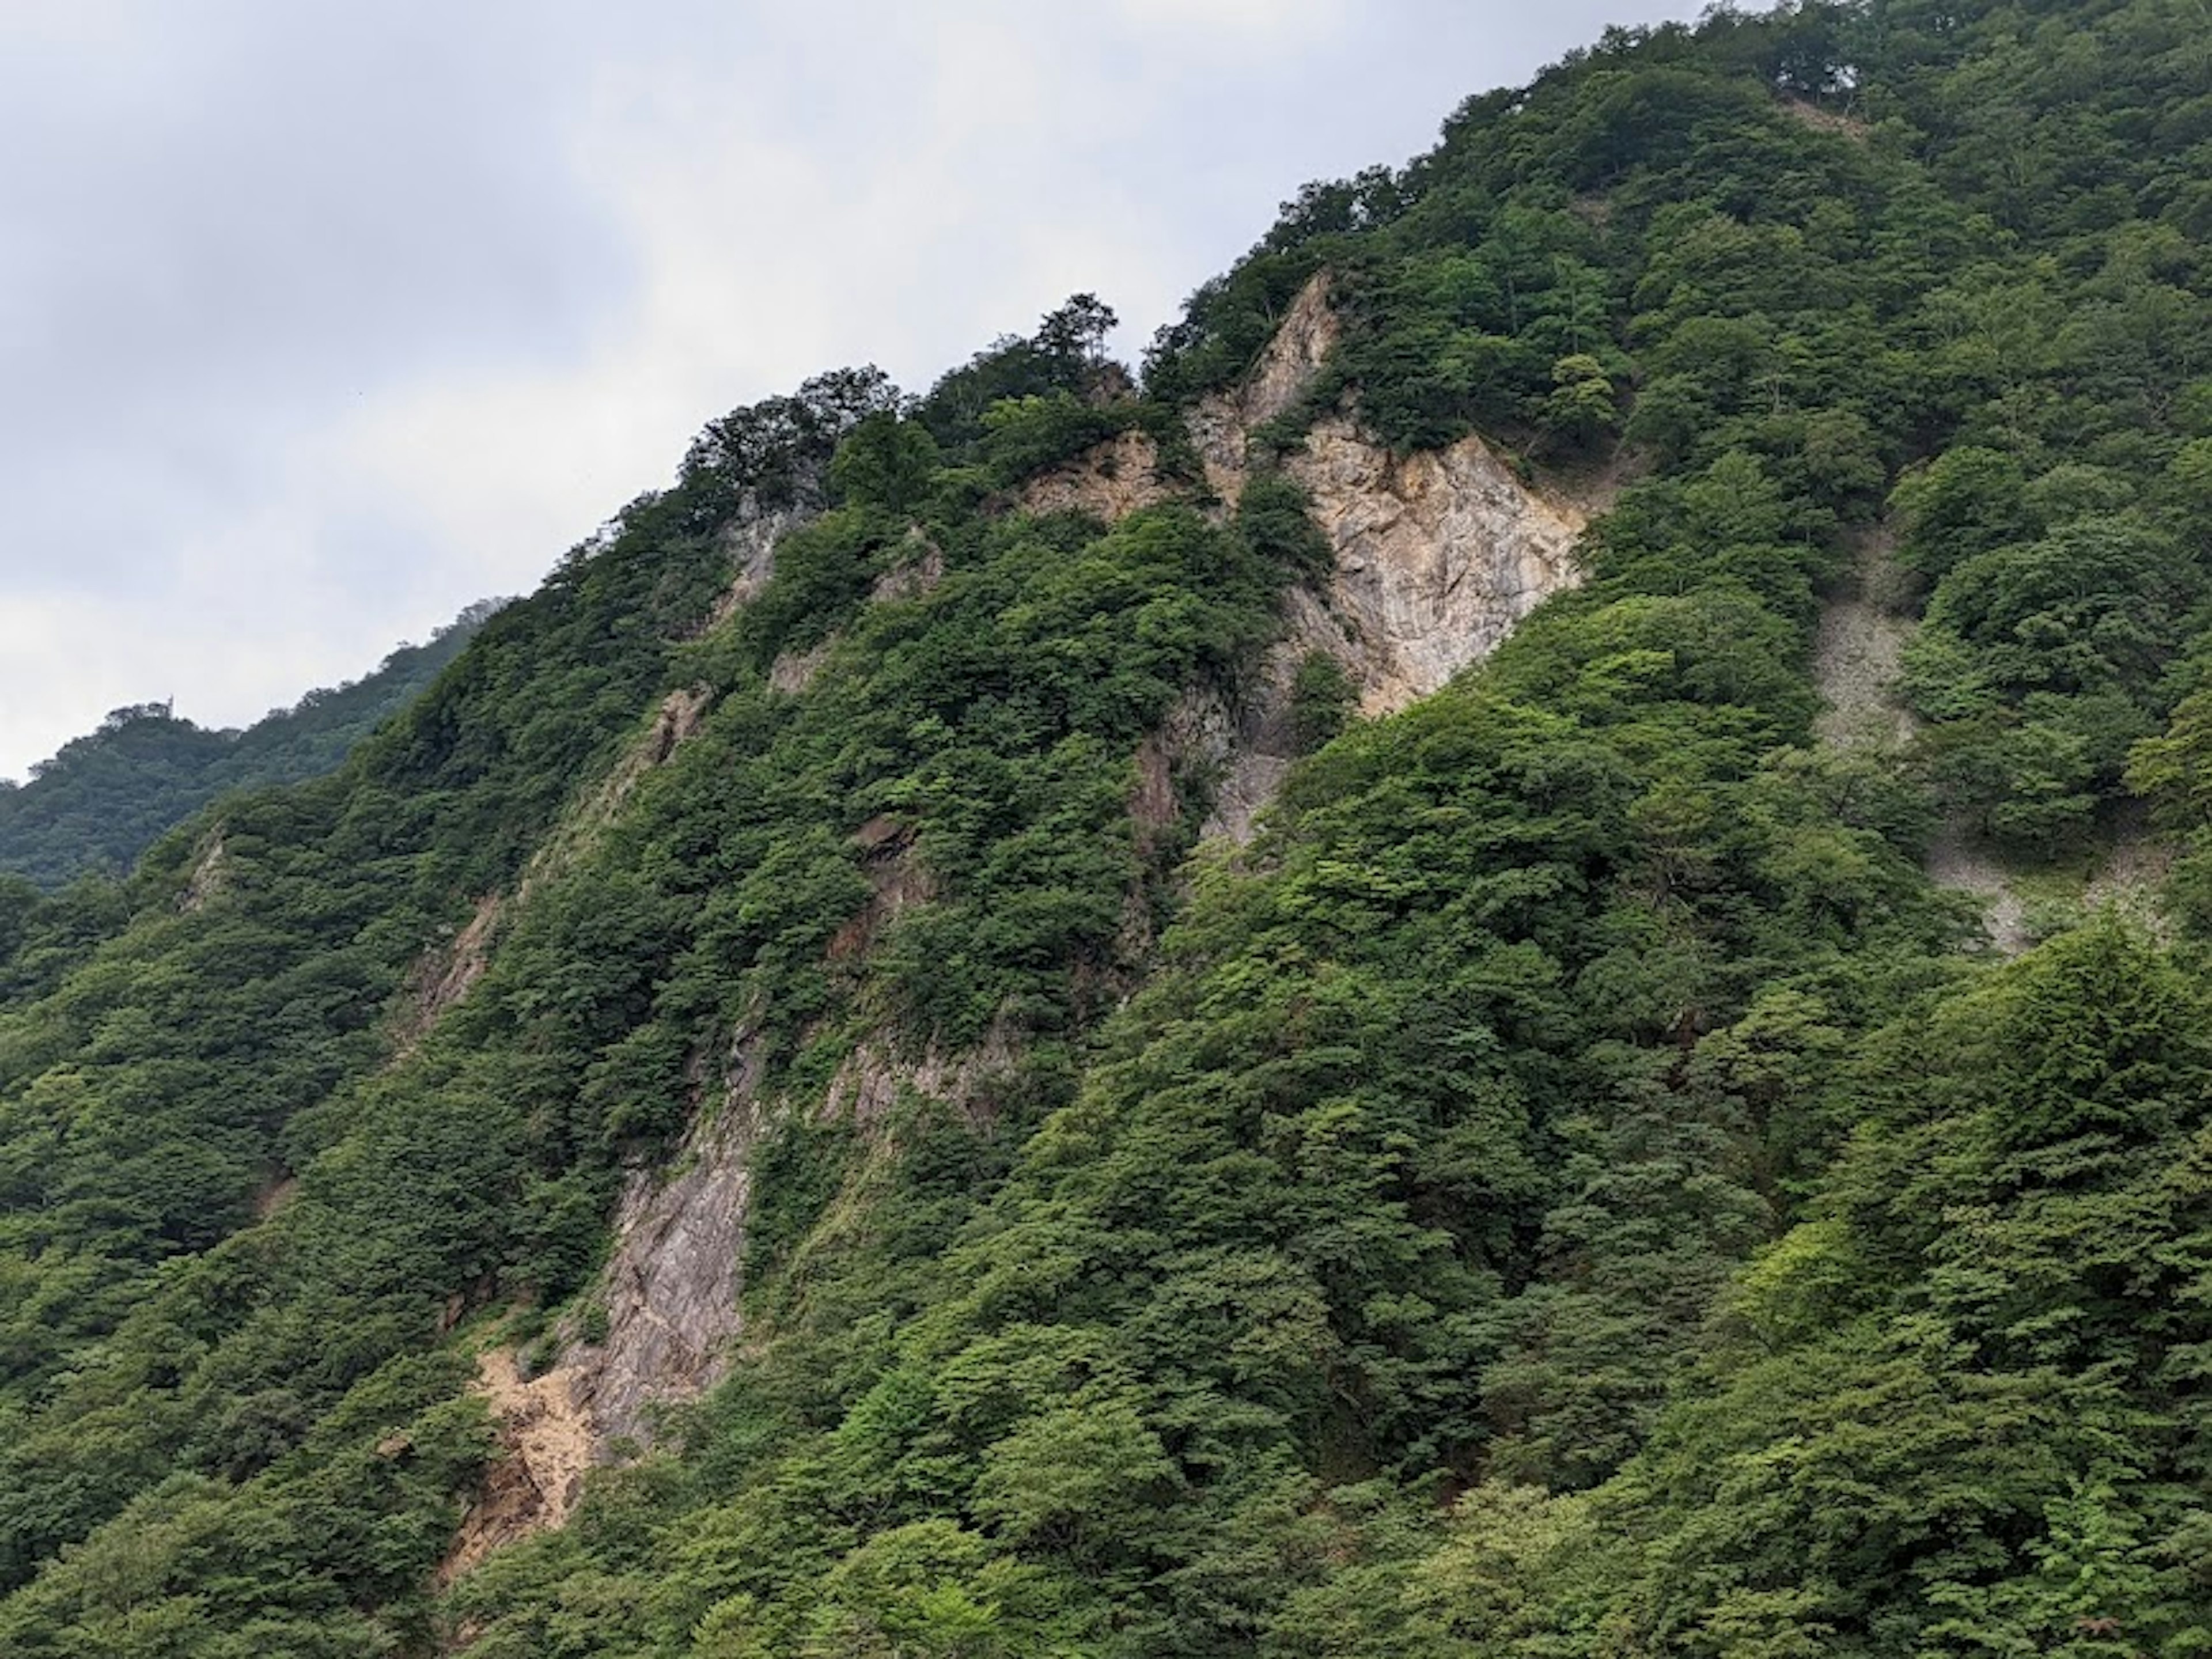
x=1582 y=407
x=1966 y=502
x=1567 y=1190
x=1024 y=435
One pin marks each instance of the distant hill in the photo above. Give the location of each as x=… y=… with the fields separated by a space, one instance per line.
x=107 y=796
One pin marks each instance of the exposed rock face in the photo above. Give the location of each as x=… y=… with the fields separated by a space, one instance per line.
x=1109 y=481
x=916 y=574
x=1824 y=120
x=670 y=1294
x=674 y=723
x=276 y=1194
x=750 y=542
x=868 y=1084
x=545 y=1449
x=897 y=881
x=1956 y=862
x=1858 y=652
x=211 y=875
x=1222 y=426
x=792 y=672
x=1249 y=745
x=443 y=977
x=1153 y=806
x=1439 y=556
x=671 y=1288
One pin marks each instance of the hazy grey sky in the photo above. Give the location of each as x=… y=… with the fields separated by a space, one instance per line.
x=320 y=320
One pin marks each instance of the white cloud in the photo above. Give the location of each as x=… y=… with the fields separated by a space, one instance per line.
x=1273 y=25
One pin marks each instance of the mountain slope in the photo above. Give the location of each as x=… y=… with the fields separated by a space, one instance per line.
x=773 y=1023
x=107 y=796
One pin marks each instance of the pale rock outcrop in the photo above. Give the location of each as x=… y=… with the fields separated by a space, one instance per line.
x=749 y=543
x=545 y=1448
x=1439 y=556
x=276 y=1195
x=1958 y=863
x=1824 y=120
x=1223 y=424
x=670 y=1295
x=1247 y=746
x=443 y=977
x=868 y=1086
x=792 y=672
x=1109 y=481
x=1154 y=806
x=671 y=1288
x=210 y=874
x=919 y=570
x=1858 y=652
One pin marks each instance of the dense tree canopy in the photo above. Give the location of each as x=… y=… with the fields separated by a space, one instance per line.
x=107 y=796
x=1571 y=1186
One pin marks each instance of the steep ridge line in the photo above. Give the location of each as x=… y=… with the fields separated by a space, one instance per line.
x=666 y=1305
x=669 y=1289
x=443 y=976
x=1436 y=556
x=446 y=974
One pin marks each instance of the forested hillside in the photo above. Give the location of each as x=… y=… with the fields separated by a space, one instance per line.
x=107 y=796
x=785 y=1108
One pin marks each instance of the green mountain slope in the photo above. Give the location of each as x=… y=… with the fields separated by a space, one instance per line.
x=107 y=796
x=772 y=1113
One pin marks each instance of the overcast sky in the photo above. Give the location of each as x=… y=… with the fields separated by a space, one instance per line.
x=320 y=320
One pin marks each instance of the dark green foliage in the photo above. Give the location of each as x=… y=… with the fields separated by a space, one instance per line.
x=885 y=463
x=158 y=1080
x=1571 y=1189
x=970 y=748
x=108 y=796
x=771 y=454
x=1063 y=359
x=1323 y=697
x=1024 y=435
x=1272 y=515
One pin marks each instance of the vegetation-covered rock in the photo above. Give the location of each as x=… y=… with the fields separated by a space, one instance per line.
x=1570 y=1186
